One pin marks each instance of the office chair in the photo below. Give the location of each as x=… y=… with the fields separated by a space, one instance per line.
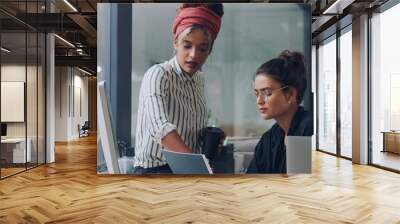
x=84 y=130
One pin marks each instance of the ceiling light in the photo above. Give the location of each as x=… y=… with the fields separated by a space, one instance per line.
x=84 y=71
x=65 y=41
x=5 y=50
x=70 y=5
x=337 y=7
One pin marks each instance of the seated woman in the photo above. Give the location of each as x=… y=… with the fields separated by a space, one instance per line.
x=279 y=88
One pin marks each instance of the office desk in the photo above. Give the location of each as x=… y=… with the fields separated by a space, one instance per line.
x=391 y=141
x=13 y=150
x=233 y=159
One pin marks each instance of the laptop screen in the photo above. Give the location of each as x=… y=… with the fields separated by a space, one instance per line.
x=298 y=154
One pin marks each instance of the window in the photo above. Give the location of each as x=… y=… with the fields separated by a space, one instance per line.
x=385 y=88
x=346 y=92
x=327 y=95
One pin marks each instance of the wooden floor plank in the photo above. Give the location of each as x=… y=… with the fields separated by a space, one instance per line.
x=70 y=191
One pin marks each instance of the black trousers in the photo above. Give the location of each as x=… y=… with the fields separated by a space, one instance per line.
x=159 y=169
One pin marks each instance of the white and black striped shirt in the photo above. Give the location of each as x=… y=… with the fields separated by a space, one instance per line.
x=169 y=100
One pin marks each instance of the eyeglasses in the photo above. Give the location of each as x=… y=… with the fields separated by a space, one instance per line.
x=266 y=93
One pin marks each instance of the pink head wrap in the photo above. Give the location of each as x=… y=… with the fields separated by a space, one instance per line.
x=187 y=17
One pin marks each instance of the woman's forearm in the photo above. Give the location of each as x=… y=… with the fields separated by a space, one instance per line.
x=172 y=141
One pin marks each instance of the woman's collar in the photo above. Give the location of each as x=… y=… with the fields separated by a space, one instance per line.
x=179 y=71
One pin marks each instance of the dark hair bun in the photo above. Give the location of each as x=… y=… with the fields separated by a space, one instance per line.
x=217 y=8
x=293 y=57
x=288 y=69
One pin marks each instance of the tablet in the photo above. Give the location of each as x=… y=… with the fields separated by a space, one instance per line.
x=187 y=163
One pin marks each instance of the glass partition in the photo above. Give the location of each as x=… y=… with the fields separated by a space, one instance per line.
x=22 y=87
x=13 y=106
x=239 y=50
x=41 y=88
x=31 y=99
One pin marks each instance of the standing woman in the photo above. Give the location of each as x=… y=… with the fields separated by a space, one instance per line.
x=279 y=88
x=172 y=106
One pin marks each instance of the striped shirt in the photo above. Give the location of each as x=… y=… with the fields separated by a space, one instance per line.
x=168 y=100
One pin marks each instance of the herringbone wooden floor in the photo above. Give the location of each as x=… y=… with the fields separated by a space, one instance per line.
x=70 y=191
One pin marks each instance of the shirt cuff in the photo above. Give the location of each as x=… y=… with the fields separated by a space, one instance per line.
x=163 y=131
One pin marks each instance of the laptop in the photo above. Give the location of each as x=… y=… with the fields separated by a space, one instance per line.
x=298 y=154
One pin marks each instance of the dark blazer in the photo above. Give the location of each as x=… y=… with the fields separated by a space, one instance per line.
x=270 y=152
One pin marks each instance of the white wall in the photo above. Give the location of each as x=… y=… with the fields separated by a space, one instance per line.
x=15 y=73
x=71 y=87
x=61 y=103
x=80 y=110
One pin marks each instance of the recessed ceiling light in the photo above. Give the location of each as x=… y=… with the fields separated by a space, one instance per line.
x=337 y=7
x=5 y=50
x=70 y=5
x=64 y=40
x=84 y=71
